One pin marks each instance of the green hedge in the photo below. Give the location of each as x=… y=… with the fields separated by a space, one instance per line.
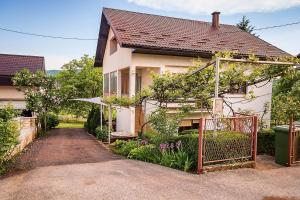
x=266 y=142
x=93 y=120
x=102 y=134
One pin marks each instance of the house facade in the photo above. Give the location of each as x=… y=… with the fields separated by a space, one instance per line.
x=9 y=66
x=132 y=46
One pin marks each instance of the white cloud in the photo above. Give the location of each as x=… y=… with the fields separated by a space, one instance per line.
x=225 y=6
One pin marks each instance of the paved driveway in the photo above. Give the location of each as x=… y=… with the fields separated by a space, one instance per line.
x=107 y=177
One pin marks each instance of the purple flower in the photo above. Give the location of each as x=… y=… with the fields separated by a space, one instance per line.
x=178 y=144
x=162 y=147
x=144 y=142
x=172 y=145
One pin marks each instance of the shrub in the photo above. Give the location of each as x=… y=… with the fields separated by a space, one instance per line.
x=102 y=134
x=51 y=121
x=266 y=142
x=124 y=147
x=93 y=120
x=148 y=153
x=189 y=131
x=165 y=124
x=8 y=139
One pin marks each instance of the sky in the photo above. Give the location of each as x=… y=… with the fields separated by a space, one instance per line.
x=81 y=18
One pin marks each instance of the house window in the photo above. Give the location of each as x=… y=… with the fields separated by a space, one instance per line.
x=113 y=82
x=235 y=89
x=125 y=83
x=113 y=45
x=106 y=83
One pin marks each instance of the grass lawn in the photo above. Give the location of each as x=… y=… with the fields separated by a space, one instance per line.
x=70 y=125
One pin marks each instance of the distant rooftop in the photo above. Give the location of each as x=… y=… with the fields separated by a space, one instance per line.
x=10 y=64
x=156 y=34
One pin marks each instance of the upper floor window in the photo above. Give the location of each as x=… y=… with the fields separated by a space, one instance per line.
x=113 y=45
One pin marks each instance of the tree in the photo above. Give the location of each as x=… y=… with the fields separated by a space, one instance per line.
x=79 y=79
x=245 y=25
x=286 y=98
x=42 y=93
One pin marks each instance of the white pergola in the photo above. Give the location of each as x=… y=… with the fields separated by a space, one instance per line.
x=99 y=101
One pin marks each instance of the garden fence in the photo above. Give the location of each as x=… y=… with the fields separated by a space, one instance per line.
x=293 y=143
x=229 y=140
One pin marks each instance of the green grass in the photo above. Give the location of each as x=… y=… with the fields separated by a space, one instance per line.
x=70 y=125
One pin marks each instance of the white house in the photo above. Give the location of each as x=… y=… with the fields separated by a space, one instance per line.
x=133 y=45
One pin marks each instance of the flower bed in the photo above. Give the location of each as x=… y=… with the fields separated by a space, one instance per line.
x=179 y=152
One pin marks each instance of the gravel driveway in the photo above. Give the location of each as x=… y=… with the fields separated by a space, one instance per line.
x=88 y=171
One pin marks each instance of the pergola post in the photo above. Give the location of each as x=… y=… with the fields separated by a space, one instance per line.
x=200 y=145
x=109 y=123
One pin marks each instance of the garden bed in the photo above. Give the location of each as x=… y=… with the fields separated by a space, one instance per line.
x=180 y=151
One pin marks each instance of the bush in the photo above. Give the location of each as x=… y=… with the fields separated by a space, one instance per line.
x=148 y=153
x=51 y=121
x=9 y=134
x=123 y=148
x=102 y=134
x=189 y=131
x=93 y=121
x=266 y=142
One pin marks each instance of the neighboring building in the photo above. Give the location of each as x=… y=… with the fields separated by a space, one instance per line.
x=133 y=45
x=9 y=66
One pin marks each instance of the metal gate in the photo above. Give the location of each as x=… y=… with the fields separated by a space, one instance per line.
x=230 y=140
x=294 y=143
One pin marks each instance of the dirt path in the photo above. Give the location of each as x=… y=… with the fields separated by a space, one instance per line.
x=63 y=146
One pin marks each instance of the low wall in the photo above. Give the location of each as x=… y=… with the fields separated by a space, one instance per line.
x=28 y=132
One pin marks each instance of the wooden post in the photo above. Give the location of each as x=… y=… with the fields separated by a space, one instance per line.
x=290 y=141
x=254 y=152
x=200 y=145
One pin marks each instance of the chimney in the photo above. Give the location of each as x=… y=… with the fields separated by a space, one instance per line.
x=215 y=19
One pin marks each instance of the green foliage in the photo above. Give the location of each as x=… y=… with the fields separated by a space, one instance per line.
x=245 y=25
x=165 y=124
x=266 y=142
x=147 y=153
x=286 y=97
x=93 y=120
x=42 y=92
x=124 y=147
x=9 y=134
x=189 y=131
x=176 y=159
x=52 y=121
x=79 y=79
x=8 y=112
x=102 y=134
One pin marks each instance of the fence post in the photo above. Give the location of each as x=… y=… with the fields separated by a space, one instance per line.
x=290 y=141
x=255 y=123
x=200 y=145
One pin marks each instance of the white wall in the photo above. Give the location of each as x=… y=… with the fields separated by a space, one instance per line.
x=123 y=119
x=118 y=60
x=263 y=95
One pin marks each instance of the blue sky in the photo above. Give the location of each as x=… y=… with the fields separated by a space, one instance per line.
x=81 y=18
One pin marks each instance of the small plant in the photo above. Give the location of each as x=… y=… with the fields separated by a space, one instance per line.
x=124 y=147
x=102 y=134
x=148 y=153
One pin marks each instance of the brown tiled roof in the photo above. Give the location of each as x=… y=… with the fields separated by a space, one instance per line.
x=145 y=32
x=10 y=64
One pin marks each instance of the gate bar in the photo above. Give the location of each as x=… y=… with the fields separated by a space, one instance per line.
x=200 y=145
x=290 y=141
